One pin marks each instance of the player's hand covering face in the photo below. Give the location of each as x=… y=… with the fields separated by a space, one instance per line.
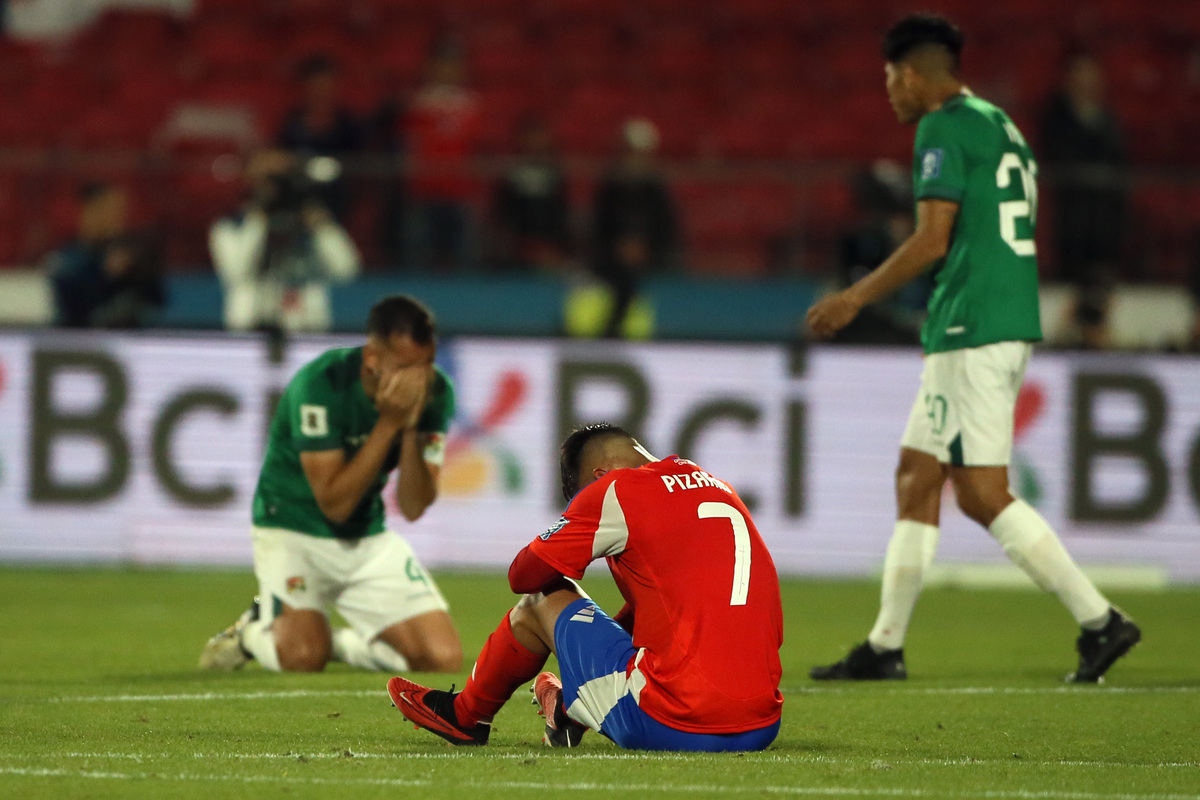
x=401 y=394
x=397 y=375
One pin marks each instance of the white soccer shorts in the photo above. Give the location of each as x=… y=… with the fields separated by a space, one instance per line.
x=373 y=582
x=963 y=414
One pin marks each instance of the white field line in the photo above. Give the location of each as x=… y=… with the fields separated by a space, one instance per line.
x=827 y=791
x=1080 y=691
x=162 y=698
x=1091 y=691
x=462 y=755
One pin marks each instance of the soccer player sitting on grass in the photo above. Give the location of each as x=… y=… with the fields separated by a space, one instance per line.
x=974 y=180
x=692 y=660
x=346 y=420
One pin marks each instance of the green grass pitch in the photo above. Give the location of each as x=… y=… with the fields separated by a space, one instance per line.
x=100 y=698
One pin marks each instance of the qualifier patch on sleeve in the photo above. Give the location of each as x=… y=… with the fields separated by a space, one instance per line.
x=314 y=420
x=931 y=164
x=553 y=529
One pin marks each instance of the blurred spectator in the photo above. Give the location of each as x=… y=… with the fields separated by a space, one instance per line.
x=278 y=255
x=108 y=277
x=530 y=206
x=883 y=197
x=1083 y=150
x=321 y=126
x=634 y=227
x=441 y=129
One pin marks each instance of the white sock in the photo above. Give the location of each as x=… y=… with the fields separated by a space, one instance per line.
x=909 y=554
x=1032 y=545
x=259 y=641
x=351 y=648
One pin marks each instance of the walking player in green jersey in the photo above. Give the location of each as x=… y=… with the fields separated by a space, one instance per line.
x=346 y=420
x=974 y=182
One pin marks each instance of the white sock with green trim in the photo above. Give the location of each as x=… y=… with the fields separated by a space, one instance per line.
x=909 y=554
x=259 y=641
x=1033 y=546
x=351 y=648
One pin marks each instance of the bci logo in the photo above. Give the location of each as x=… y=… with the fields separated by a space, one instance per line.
x=1142 y=445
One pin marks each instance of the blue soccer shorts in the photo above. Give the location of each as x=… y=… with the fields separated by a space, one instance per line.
x=593 y=654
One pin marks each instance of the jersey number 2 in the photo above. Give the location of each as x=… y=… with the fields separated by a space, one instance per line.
x=741 y=547
x=1012 y=210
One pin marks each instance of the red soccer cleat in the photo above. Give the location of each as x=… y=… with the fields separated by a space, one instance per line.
x=433 y=710
x=561 y=730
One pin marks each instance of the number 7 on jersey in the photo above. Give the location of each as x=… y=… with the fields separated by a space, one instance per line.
x=741 y=547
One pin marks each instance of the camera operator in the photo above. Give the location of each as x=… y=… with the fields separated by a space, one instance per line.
x=277 y=256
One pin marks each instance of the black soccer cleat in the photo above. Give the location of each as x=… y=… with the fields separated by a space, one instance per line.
x=433 y=710
x=864 y=664
x=1099 y=650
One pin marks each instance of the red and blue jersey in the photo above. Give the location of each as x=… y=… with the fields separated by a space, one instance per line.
x=701 y=586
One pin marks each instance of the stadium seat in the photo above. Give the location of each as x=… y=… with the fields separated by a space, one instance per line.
x=503 y=56
x=680 y=55
x=227 y=49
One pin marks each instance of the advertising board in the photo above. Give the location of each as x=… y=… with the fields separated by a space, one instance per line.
x=145 y=449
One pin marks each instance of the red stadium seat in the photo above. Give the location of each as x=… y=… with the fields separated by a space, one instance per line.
x=681 y=55
x=503 y=55
x=227 y=49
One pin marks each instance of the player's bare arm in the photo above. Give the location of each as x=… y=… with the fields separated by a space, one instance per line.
x=929 y=242
x=416 y=489
x=339 y=485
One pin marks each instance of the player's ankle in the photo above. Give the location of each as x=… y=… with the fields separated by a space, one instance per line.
x=463 y=715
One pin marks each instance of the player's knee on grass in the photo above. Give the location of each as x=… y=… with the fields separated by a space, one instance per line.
x=435 y=656
x=428 y=642
x=301 y=654
x=302 y=641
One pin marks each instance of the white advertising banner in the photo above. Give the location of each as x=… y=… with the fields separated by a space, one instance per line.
x=145 y=449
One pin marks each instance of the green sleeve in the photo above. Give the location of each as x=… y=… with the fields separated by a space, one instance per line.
x=313 y=407
x=439 y=408
x=939 y=169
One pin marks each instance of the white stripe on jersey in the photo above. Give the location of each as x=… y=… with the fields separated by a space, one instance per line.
x=612 y=533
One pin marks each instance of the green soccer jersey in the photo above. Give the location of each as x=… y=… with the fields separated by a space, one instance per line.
x=985 y=288
x=325 y=408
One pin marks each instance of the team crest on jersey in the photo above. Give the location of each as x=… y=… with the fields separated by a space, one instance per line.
x=295 y=584
x=553 y=529
x=314 y=420
x=931 y=164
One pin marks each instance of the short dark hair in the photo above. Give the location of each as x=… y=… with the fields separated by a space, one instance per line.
x=571 y=452
x=922 y=30
x=401 y=315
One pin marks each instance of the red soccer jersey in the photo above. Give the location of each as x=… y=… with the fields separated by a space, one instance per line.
x=708 y=622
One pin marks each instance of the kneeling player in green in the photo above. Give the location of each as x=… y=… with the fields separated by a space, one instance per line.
x=346 y=420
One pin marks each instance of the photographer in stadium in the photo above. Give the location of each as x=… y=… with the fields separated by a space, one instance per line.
x=277 y=256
